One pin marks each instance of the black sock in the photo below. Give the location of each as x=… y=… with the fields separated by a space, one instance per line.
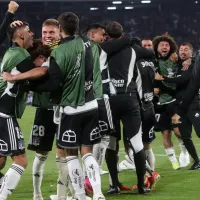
x=111 y=160
x=140 y=166
x=191 y=149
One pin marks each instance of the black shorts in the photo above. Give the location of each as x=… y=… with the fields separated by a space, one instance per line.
x=105 y=117
x=148 y=121
x=158 y=111
x=78 y=130
x=127 y=109
x=43 y=131
x=166 y=113
x=11 y=138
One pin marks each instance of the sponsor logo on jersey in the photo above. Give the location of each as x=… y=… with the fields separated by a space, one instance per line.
x=147 y=64
x=118 y=83
x=148 y=96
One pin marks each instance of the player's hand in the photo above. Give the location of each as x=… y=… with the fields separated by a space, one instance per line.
x=156 y=92
x=176 y=119
x=16 y=23
x=158 y=77
x=12 y=7
x=186 y=64
x=174 y=57
x=8 y=77
x=136 y=40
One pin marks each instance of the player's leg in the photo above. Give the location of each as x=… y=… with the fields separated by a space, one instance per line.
x=90 y=136
x=112 y=159
x=41 y=141
x=3 y=160
x=129 y=163
x=148 y=136
x=106 y=128
x=12 y=143
x=131 y=120
x=184 y=158
x=165 y=126
x=68 y=138
x=192 y=118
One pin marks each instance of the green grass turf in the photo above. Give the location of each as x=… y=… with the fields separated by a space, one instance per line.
x=181 y=184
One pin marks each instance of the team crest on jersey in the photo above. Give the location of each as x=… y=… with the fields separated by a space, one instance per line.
x=103 y=126
x=69 y=136
x=36 y=141
x=88 y=85
x=3 y=146
x=170 y=73
x=95 y=134
x=21 y=145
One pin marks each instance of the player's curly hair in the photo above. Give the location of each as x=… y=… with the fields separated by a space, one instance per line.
x=165 y=38
x=39 y=49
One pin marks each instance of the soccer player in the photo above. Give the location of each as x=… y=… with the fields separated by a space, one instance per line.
x=44 y=129
x=122 y=72
x=79 y=120
x=12 y=8
x=96 y=33
x=12 y=104
x=182 y=80
x=145 y=86
x=164 y=47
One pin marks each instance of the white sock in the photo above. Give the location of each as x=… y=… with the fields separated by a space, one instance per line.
x=84 y=171
x=93 y=173
x=11 y=180
x=62 y=182
x=171 y=154
x=182 y=146
x=99 y=150
x=150 y=158
x=37 y=172
x=76 y=177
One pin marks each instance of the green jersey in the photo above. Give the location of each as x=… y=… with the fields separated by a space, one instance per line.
x=167 y=69
x=81 y=76
x=13 y=98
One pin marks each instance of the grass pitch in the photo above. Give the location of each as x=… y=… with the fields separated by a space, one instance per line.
x=174 y=185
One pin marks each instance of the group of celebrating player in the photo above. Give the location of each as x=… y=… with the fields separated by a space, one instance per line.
x=84 y=86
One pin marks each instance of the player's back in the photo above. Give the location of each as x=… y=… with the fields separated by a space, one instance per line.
x=77 y=74
x=121 y=66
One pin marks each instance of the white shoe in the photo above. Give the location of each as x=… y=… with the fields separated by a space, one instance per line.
x=38 y=197
x=184 y=159
x=102 y=172
x=74 y=198
x=54 y=197
x=125 y=165
x=99 y=197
